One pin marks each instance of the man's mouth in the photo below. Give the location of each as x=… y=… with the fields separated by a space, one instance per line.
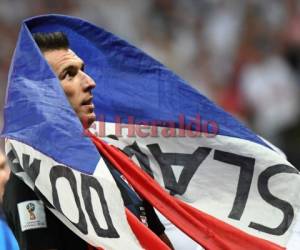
x=87 y=101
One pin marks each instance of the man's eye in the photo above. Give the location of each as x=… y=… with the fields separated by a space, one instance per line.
x=70 y=74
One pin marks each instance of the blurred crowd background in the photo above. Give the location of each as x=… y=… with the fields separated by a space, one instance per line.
x=244 y=55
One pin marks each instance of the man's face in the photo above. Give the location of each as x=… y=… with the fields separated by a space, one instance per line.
x=4 y=174
x=76 y=84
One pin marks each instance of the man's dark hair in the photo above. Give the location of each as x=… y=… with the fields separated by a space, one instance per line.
x=51 y=41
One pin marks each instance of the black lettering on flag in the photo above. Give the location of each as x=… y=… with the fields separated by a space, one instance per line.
x=14 y=166
x=91 y=182
x=246 y=165
x=284 y=206
x=33 y=169
x=142 y=158
x=190 y=163
x=57 y=172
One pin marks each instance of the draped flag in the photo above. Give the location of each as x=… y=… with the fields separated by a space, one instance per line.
x=208 y=174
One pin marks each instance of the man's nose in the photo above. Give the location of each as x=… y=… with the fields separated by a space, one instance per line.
x=88 y=82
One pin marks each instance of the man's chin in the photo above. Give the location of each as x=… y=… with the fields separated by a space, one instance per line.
x=87 y=120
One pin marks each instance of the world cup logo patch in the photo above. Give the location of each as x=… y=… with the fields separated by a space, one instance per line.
x=30 y=208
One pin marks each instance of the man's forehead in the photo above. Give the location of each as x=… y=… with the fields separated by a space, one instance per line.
x=59 y=58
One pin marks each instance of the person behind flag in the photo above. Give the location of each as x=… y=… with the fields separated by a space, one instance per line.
x=4 y=174
x=21 y=204
x=7 y=240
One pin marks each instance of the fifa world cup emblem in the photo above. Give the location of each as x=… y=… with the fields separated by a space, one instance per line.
x=30 y=208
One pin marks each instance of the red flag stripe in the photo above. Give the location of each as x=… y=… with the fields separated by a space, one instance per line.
x=239 y=239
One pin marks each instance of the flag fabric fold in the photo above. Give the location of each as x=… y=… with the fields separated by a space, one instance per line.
x=211 y=176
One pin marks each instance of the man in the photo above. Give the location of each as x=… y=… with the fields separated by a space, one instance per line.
x=7 y=240
x=77 y=86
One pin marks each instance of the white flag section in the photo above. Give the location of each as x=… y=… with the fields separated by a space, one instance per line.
x=91 y=206
x=244 y=184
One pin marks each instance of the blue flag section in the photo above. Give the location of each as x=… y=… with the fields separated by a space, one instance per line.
x=129 y=83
